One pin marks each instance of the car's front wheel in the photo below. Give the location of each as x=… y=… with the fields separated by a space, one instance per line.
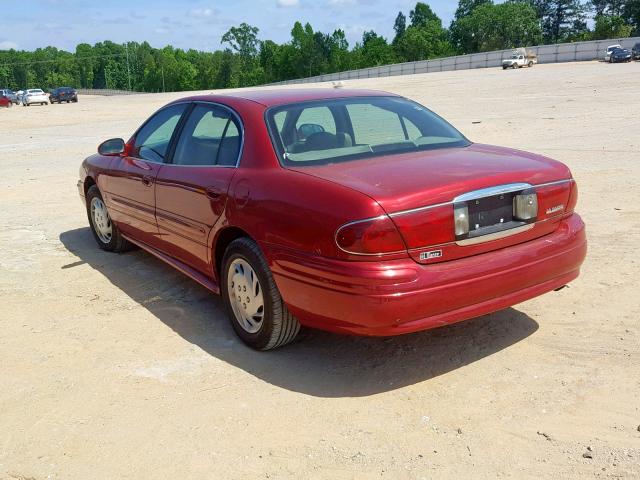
x=105 y=232
x=258 y=313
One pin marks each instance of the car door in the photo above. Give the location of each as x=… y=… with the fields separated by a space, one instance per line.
x=130 y=184
x=191 y=188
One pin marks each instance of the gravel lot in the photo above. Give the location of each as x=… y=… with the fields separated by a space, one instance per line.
x=115 y=366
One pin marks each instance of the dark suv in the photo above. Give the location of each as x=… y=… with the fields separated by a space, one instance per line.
x=63 y=94
x=635 y=51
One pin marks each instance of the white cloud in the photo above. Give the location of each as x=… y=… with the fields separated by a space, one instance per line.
x=201 y=12
x=8 y=45
x=342 y=2
x=288 y=3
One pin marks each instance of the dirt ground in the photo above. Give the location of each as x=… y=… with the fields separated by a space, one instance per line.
x=117 y=367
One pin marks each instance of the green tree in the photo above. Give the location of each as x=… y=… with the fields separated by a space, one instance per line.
x=457 y=33
x=631 y=14
x=244 y=41
x=373 y=51
x=498 y=27
x=421 y=43
x=608 y=7
x=610 y=26
x=424 y=38
x=465 y=7
x=399 y=26
x=422 y=14
x=562 y=20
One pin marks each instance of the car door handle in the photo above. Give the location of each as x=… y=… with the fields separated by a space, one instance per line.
x=147 y=180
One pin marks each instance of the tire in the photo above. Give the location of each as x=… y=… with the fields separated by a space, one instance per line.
x=276 y=326
x=530 y=64
x=113 y=243
x=504 y=67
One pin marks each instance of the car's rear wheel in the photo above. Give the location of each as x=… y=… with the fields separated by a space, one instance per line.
x=105 y=232
x=258 y=313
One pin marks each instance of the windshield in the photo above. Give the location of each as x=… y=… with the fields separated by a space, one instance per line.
x=37 y=90
x=329 y=131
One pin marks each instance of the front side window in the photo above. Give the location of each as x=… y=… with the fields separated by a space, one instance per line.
x=152 y=140
x=329 y=131
x=211 y=136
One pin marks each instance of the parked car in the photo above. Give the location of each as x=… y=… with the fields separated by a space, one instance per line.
x=33 y=96
x=352 y=211
x=63 y=94
x=610 y=48
x=521 y=57
x=620 y=55
x=5 y=101
x=10 y=94
x=635 y=51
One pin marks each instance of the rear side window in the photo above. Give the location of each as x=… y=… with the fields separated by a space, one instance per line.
x=152 y=140
x=211 y=136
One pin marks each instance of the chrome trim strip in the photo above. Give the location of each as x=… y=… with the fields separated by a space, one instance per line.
x=458 y=199
x=419 y=209
x=495 y=236
x=559 y=182
x=491 y=191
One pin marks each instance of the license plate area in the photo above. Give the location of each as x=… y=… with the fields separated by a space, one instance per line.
x=491 y=213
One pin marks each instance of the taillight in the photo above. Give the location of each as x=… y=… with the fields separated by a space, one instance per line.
x=370 y=237
x=431 y=226
x=573 y=198
x=555 y=199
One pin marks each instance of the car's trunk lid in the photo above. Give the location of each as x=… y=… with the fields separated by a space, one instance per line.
x=418 y=181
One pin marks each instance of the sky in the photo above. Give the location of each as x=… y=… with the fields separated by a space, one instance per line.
x=197 y=24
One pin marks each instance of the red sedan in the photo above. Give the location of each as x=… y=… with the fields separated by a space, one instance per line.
x=356 y=211
x=5 y=101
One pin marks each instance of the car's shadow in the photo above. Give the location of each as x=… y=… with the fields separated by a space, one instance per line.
x=321 y=364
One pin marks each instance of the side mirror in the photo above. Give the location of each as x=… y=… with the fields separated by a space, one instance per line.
x=114 y=146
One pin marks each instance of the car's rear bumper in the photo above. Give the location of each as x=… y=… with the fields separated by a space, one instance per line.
x=401 y=296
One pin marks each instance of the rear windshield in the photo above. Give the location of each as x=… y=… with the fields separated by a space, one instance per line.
x=329 y=131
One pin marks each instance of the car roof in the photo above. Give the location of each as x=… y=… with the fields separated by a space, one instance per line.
x=283 y=96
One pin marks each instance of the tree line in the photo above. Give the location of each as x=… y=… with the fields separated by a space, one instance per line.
x=246 y=60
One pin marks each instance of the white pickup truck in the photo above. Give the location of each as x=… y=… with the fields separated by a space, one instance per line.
x=520 y=57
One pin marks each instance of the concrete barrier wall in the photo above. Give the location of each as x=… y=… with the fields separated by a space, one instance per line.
x=562 y=52
x=105 y=92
